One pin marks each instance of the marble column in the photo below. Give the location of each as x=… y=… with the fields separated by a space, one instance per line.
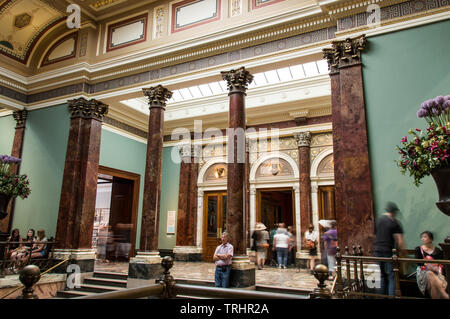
x=242 y=271
x=146 y=266
x=303 y=143
x=353 y=189
x=79 y=187
x=247 y=225
x=20 y=117
x=186 y=249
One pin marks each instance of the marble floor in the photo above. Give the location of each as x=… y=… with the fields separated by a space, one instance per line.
x=269 y=276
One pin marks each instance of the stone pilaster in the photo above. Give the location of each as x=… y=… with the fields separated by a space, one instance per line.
x=242 y=272
x=303 y=143
x=79 y=187
x=353 y=190
x=20 y=117
x=145 y=267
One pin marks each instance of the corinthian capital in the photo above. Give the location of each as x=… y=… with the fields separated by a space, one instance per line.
x=20 y=117
x=303 y=139
x=237 y=80
x=157 y=96
x=91 y=109
x=344 y=53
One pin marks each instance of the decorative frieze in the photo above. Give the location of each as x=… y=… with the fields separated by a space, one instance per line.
x=87 y=108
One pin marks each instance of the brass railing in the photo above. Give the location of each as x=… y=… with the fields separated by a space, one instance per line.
x=354 y=287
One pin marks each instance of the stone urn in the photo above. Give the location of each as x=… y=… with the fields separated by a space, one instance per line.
x=442 y=179
x=4 y=202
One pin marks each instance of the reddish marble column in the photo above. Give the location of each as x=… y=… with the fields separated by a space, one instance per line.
x=152 y=188
x=79 y=188
x=237 y=84
x=186 y=217
x=304 y=142
x=20 y=117
x=353 y=188
x=247 y=193
x=193 y=193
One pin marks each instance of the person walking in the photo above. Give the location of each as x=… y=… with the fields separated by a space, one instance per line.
x=330 y=244
x=222 y=258
x=311 y=244
x=261 y=237
x=273 y=253
x=281 y=245
x=388 y=235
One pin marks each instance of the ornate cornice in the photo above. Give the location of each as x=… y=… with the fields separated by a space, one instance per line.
x=237 y=80
x=157 y=96
x=344 y=53
x=303 y=139
x=89 y=109
x=20 y=117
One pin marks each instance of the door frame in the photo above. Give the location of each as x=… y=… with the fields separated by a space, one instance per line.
x=220 y=195
x=136 y=178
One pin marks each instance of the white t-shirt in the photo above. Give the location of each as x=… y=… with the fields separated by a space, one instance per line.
x=311 y=235
x=282 y=240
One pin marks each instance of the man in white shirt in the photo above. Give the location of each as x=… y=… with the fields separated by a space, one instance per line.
x=222 y=257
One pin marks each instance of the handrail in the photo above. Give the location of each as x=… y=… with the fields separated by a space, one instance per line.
x=131 y=293
x=226 y=293
x=389 y=259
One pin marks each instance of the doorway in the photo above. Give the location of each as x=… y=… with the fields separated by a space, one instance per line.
x=114 y=234
x=214 y=221
x=275 y=206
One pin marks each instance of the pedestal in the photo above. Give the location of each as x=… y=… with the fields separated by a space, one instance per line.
x=83 y=258
x=188 y=253
x=242 y=274
x=144 y=269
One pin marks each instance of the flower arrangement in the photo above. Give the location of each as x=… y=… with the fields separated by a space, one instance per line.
x=428 y=149
x=11 y=184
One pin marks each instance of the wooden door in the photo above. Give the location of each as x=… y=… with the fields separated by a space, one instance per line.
x=214 y=221
x=326 y=203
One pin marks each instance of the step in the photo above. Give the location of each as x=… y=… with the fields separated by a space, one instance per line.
x=106 y=282
x=196 y=282
x=283 y=290
x=63 y=294
x=97 y=288
x=110 y=275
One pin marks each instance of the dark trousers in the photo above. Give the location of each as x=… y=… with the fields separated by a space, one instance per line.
x=387 y=273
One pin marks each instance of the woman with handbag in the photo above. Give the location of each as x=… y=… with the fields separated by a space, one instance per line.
x=261 y=237
x=430 y=278
x=311 y=244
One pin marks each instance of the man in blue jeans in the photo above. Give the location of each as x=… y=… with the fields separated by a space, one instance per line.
x=222 y=257
x=388 y=235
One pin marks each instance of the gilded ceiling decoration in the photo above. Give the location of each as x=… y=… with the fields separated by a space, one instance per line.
x=23 y=23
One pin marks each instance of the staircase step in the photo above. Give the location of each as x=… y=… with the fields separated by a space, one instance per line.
x=110 y=275
x=106 y=282
x=63 y=294
x=197 y=282
x=97 y=288
x=282 y=290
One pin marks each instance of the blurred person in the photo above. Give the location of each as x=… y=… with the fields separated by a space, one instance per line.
x=39 y=249
x=330 y=244
x=291 y=246
x=123 y=241
x=15 y=243
x=388 y=235
x=24 y=252
x=273 y=253
x=222 y=258
x=311 y=237
x=281 y=245
x=430 y=278
x=261 y=237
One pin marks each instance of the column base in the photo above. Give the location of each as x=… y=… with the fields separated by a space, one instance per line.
x=144 y=269
x=188 y=253
x=242 y=274
x=84 y=258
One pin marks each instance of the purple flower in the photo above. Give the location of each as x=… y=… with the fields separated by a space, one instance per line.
x=446 y=105
x=439 y=100
x=447 y=98
x=404 y=140
x=422 y=113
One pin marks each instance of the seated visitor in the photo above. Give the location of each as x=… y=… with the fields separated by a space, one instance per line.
x=23 y=252
x=15 y=244
x=429 y=276
x=39 y=249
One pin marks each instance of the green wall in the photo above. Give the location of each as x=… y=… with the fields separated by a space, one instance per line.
x=169 y=197
x=400 y=71
x=7 y=128
x=120 y=152
x=43 y=159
